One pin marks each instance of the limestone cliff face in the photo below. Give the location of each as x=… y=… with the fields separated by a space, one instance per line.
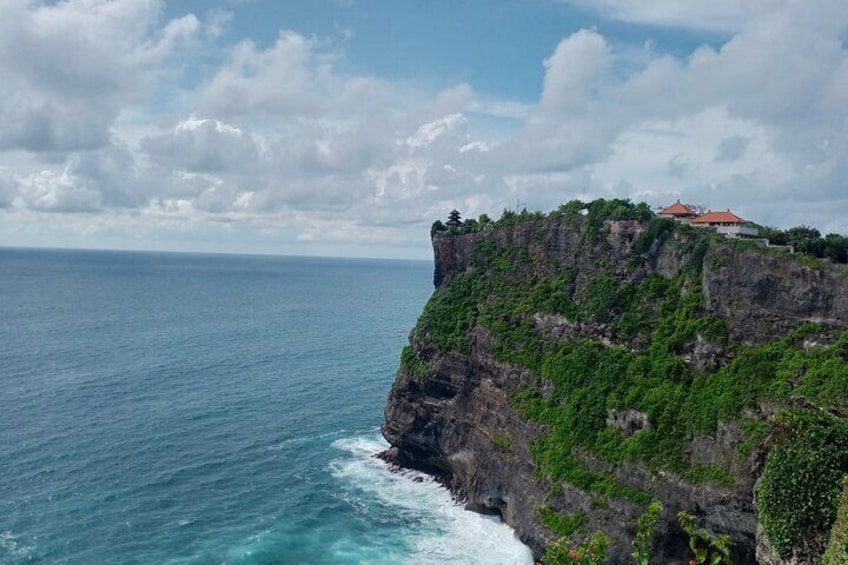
x=761 y=295
x=456 y=414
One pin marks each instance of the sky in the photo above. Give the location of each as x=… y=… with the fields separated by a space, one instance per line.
x=346 y=127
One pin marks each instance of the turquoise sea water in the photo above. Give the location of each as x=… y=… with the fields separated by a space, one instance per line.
x=193 y=409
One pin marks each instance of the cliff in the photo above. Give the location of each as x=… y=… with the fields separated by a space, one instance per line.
x=568 y=369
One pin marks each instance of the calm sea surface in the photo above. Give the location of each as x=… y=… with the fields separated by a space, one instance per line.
x=194 y=409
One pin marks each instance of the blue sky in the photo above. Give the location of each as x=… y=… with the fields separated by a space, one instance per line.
x=496 y=46
x=345 y=127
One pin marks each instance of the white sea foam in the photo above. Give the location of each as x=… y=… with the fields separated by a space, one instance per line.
x=438 y=530
x=9 y=542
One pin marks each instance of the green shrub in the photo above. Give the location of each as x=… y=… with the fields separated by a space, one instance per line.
x=410 y=363
x=645 y=533
x=837 y=547
x=706 y=548
x=563 y=524
x=658 y=230
x=801 y=482
x=593 y=552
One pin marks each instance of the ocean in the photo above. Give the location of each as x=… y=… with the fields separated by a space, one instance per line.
x=211 y=409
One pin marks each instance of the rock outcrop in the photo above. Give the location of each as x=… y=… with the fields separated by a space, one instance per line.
x=456 y=415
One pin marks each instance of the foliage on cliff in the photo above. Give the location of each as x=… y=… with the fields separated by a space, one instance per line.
x=626 y=342
x=837 y=548
x=596 y=212
x=800 y=487
x=809 y=240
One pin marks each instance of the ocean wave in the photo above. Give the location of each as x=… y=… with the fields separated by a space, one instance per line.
x=434 y=527
x=10 y=543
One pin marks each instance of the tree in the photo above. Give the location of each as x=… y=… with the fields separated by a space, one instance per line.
x=571 y=208
x=836 y=248
x=775 y=236
x=806 y=240
x=508 y=218
x=699 y=209
x=437 y=226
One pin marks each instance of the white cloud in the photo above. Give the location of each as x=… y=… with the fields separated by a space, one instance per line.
x=204 y=146
x=715 y=15
x=295 y=78
x=294 y=144
x=69 y=68
x=573 y=72
x=428 y=133
x=51 y=192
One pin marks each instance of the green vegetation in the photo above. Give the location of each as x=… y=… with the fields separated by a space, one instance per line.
x=665 y=316
x=595 y=212
x=658 y=230
x=699 y=474
x=807 y=260
x=593 y=552
x=809 y=241
x=565 y=525
x=801 y=483
x=648 y=323
x=411 y=364
x=837 y=547
x=645 y=533
x=706 y=547
x=503 y=442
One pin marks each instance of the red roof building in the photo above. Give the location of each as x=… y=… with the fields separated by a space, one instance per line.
x=677 y=210
x=727 y=218
x=726 y=223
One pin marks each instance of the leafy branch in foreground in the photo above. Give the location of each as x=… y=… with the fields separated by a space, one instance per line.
x=708 y=549
x=645 y=533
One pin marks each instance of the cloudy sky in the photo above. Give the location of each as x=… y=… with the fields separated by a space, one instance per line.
x=345 y=127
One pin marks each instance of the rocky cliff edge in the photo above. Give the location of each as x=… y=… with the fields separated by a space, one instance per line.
x=568 y=370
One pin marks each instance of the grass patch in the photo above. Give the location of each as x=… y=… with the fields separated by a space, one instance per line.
x=563 y=524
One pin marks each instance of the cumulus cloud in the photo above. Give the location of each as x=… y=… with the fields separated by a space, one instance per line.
x=203 y=146
x=573 y=72
x=292 y=142
x=57 y=192
x=295 y=78
x=69 y=68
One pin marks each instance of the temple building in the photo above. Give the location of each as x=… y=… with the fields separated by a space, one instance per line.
x=678 y=211
x=454 y=219
x=726 y=223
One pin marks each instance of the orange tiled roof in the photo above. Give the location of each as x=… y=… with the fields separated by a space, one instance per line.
x=678 y=209
x=727 y=217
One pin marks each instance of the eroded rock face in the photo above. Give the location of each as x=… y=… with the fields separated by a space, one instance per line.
x=456 y=421
x=765 y=296
x=628 y=421
x=761 y=296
